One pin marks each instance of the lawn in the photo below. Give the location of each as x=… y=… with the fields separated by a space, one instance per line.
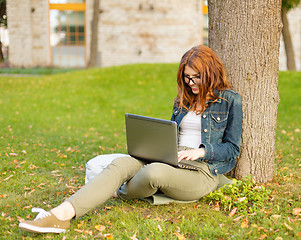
x=51 y=125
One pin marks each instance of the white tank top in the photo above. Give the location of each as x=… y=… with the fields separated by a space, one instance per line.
x=190 y=130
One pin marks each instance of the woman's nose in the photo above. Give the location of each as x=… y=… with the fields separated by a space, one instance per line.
x=191 y=82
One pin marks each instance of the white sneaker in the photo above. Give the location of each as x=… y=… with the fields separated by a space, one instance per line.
x=45 y=222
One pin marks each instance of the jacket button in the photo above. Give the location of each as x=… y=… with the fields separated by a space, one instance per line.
x=215 y=170
x=204 y=116
x=218 y=119
x=205 y=130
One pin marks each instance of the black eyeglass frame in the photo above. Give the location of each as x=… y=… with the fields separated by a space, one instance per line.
x=190 y=78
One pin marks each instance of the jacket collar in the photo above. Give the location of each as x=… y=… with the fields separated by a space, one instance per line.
x=219 y=100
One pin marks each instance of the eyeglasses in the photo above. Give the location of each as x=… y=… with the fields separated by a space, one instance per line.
x=192 y=78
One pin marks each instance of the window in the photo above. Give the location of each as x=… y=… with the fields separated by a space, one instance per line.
x=67 y=33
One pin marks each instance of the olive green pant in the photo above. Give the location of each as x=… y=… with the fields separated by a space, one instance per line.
x=143 y=180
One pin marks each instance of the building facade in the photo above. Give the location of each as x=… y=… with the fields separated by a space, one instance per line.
x=58 y=32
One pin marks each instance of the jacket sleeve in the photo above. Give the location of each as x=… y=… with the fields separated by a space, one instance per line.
x=174 y=109
x=229 y=148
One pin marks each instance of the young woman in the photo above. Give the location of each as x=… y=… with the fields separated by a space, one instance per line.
x=209 y=118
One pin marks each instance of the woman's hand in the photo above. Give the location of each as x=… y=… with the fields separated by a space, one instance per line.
x=191 y=154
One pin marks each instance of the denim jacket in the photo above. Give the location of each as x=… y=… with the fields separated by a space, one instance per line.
x=221 y=131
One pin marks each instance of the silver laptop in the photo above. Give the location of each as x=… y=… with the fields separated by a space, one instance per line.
x=154 y=140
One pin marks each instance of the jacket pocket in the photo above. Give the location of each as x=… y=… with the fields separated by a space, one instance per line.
x=218 y=121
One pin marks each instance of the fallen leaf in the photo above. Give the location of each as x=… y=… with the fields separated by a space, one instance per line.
x=99 y=235
x=88 y=232
x=241 y=199
x=84 y=231
x=108 y=236
x=262 y=228
x=276 y=216
x=228 y=198
x=263 y=236
x=288 y=227
x=216 y=206
x=134 y=237
x=41 y=185
x=160 y=229
x=290 y=220
x=284 y=168
x=20 y=219
x=3 y=214
x=179 y=236
x=244 y=223
x=80 y=224
x=100 y=228
x=8 y=178
x=233 y=211
x=31 y=167
x=297 y=211
x=237 y=219
x=27 y=207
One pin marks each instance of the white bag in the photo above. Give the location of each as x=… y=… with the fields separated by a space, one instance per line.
x=99 y=163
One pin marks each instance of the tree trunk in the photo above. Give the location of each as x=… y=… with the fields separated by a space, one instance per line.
x=289 y=49
x=246 y=36
x=1 y=53
x=94 y=35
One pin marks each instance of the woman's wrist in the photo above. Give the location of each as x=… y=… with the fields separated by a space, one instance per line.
x=202 y=152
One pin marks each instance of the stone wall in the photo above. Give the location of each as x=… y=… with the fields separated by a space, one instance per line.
x=147 y=31
x=28 y=33
x=40 y=33
x=19 y=25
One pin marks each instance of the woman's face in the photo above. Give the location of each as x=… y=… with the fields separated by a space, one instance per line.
x=192 y=78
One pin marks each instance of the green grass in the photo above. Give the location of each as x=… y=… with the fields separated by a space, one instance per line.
x=52 y=125
x=33 y=71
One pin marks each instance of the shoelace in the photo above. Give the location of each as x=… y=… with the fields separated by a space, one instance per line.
x=41 y=213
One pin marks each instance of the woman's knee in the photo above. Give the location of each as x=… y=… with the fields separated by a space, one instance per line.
x=120 y=161
x=125 y=162
x=154 y=172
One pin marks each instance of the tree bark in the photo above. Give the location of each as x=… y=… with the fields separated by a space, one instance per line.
x=94 y=35
x=1 y=53
x=3 y=23
x=246 y=36
x=288 y=45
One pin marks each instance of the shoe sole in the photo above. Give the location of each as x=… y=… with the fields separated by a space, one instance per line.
x=35 y=229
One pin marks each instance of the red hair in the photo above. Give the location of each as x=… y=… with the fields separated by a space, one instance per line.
x=212 y=74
